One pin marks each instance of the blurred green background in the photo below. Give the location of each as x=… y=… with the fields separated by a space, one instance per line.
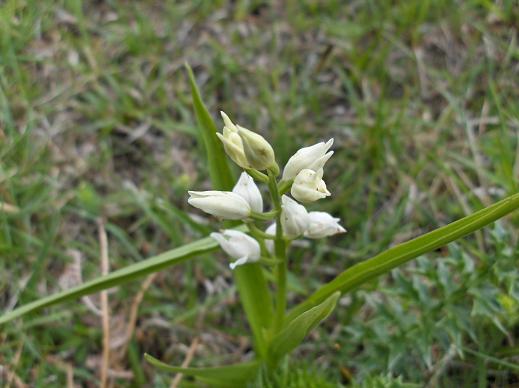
x=421 y=97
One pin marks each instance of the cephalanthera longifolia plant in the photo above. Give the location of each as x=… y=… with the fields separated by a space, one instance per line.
x=257 y=237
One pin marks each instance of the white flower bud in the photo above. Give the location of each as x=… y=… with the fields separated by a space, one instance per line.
x=294 y=218
x=312 y=158
x=268 y=242
x=258 y=151
x=247 y=189
x=240 y=246
x=224 y=204
x=232 y=142
x=309 y=186
x=322 y=225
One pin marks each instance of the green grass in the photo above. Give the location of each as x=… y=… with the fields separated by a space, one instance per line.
x=96 y=121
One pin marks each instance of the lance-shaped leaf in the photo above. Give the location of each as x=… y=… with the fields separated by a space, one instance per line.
x=123 y=275
x=400 y=254
x=225 y=376
x=219 y=170
x=256 y=301
x=296 y=331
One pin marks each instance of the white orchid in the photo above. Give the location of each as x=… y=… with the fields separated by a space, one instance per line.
x=294 y=217
x=311 y=158
x=239 y=246
x=236 y=205
x=247 y=189
x=302 y=175
x=322 y=225
x=309 y=186
x=224 y=204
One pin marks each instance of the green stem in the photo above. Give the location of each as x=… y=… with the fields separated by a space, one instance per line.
x=258 y=235
x=280 y=253
x=268 y=260
x=255 y=231
x=285 y=186
x=266 y=216
x=257 y=175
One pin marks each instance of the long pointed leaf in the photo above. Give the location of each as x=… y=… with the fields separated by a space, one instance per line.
x=219 y=170
x=256 y=300
x=400 y=254
x=123 y=275
x=296 y=331
x=229 y=375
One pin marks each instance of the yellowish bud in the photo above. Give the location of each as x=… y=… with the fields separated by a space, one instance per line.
x=258 y=151
x=232 y=142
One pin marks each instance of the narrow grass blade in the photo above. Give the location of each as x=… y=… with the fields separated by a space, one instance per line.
x=493 y=360
x=235 y=375
x=296 y=331
x=400 y=254
x=219 y=170
x=123 y=275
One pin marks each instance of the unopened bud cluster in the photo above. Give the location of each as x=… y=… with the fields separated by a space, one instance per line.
x=303 y=174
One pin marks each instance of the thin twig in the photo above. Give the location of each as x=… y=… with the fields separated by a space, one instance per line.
x=11 y=375
x=8 y=208
x=441 y=366
x=105 y=364
x=476 y=153
x=66 y=366
x=189 y=356
x=132 y=319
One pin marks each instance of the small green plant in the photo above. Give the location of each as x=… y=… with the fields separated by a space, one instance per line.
x=258 y=242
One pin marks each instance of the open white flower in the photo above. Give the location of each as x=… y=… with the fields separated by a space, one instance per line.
x=309 y=186
x=239 y=246
x=311 y=158
x=322 y=225
x=247 y=189
x=232 y=142
x=224 y=204
x=294 y=218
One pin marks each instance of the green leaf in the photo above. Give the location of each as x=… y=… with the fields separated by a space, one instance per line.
x=400 y=254
x=296 y=331
x=123 y=275
x=256 y=300
x=221 y=175
x=229 y=376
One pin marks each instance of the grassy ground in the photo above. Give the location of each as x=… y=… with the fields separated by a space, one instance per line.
x=421 y=97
